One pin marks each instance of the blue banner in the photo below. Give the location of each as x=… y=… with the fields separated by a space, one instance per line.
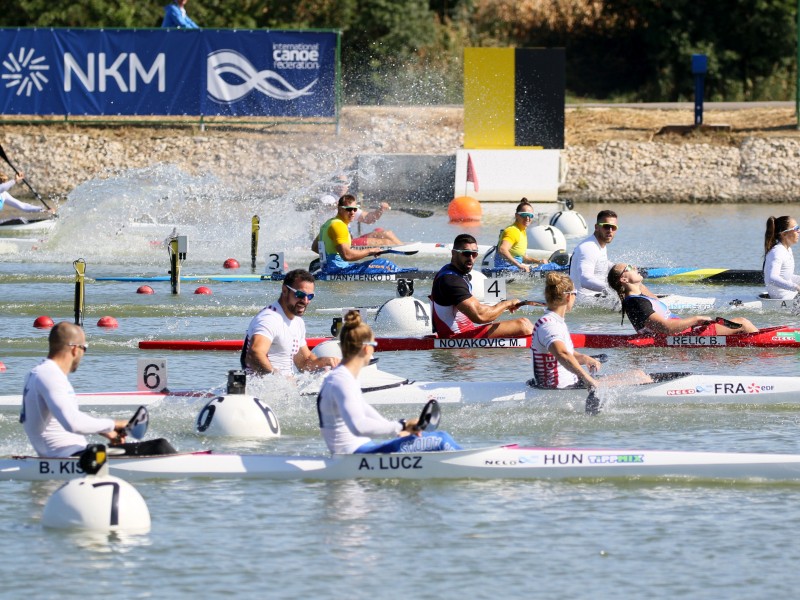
x=168 y=72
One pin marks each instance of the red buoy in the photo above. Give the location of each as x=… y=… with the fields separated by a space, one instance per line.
x=203 y=290
x=109 y=322
x=231 y=263
x=145 y=289
x=43 y=322
x=464 y=208
x=2 y=368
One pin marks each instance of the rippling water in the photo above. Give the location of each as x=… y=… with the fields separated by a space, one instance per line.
x=363 y=539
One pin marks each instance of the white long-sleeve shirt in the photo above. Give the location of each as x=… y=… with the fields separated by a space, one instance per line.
x=51 y=416
x=779 y=273
x=4 y=187
x=8 y=199
x=589 y=267
x=346 y=420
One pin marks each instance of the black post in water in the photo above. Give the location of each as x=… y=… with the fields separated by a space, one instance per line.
x=254 y=228
x=80 y=286
x=699 y=70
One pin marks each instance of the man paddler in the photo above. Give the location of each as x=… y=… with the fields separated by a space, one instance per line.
x=333 y=244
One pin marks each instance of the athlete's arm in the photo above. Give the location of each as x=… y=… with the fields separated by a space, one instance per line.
x=660 y=324
x=257 y=358
x=349 y=254
x=571 y=362
x=482 y=313
x=315 y=245
x=305 y=360
x=504 y=250
x=370 y=217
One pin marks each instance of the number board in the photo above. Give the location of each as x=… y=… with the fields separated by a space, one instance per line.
x=151 y=375
x=274 y=263
x=494 y=290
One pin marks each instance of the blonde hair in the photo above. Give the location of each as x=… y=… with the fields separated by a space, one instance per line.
x=4 y=177
x=353 y=335
x=556 y=286
x=615 y=284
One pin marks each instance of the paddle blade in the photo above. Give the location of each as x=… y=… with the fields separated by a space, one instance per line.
x=5 y=158
x=727 y=323
x=416 y=212
x=592 y=403
x=137 y=426
x=559 y=257
x=429 y=417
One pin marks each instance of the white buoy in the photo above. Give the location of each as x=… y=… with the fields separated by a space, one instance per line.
x=98 y=502
x=328 y=349
x=546 y=238
x=571 y=223
x=404 y=316
x=238 y=415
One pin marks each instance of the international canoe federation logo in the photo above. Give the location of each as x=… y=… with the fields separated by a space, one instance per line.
x=24 y=72
x=235 y=66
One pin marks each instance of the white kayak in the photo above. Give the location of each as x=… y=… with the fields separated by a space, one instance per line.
x=499 y=462
x=23 y=225
x=443 y=249
x=381 y=388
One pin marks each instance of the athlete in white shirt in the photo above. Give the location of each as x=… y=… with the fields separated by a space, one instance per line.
x=50 y=414
x=781 y=234
x=276 y=337
x=348 y=422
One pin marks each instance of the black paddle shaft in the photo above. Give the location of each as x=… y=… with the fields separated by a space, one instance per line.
x=35 y=193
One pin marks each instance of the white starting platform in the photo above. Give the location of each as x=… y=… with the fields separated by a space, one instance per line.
x=510 y=175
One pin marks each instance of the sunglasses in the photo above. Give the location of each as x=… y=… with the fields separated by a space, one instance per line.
x=350 y=208
x=571 y=293
x=300 y=295
x=526 y=215
x=795 y=228
x=470 y=253
x=629 y=268
x=373 y=343
x=83 y=347
x=610 y=226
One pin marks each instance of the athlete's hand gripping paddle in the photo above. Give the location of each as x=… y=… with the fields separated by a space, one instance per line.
x=137 y=426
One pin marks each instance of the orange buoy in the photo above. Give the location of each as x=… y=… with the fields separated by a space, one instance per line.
x=231 y=263
x=145 y=289
x=464 y=208
x=109 y=322
x=2 y=368
x=43 y=322
x=203 y=290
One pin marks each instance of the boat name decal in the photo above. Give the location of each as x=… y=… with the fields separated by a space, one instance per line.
x=454 y=343
x=696 y=340
x=616 y=458
x=390 y=463
x=566 y=458
x=62 y=467
x=684 y=392
x=359 y=277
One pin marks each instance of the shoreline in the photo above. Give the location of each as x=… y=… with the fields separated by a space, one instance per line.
x=613 y=154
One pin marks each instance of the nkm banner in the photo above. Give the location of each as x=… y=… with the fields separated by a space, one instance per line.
x=168 y=72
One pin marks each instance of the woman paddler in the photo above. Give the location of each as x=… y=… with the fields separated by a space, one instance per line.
x=782 y=233
x=650 y=316
x=348 y=422
x=556 y=363
x=513 y=241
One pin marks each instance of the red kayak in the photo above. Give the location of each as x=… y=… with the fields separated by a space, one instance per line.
x=770 y=337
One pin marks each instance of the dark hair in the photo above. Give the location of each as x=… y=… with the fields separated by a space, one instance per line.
x=462 y=239
x=775 y=225
x=347 y=199
x=353 y=335
x=523 y=202
x=604 y=214
x=294 y=277
x=615 y=284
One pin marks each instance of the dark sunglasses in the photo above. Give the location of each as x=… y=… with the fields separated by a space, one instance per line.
x=350 y=208
x=300 y=295
x=610 y=226
x=83 y=347
x=470 y=253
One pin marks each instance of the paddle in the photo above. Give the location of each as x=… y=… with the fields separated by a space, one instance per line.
x=727 y=323
x=429 y=417
x=401 y=252
x=416 y=212
x=592 y=402
x=137 y=426
x=35 y=193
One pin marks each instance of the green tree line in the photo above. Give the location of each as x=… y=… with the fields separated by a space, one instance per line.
x=411 y=51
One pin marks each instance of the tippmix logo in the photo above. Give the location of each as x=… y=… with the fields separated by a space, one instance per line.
x=234 y=66
x=24 y=71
